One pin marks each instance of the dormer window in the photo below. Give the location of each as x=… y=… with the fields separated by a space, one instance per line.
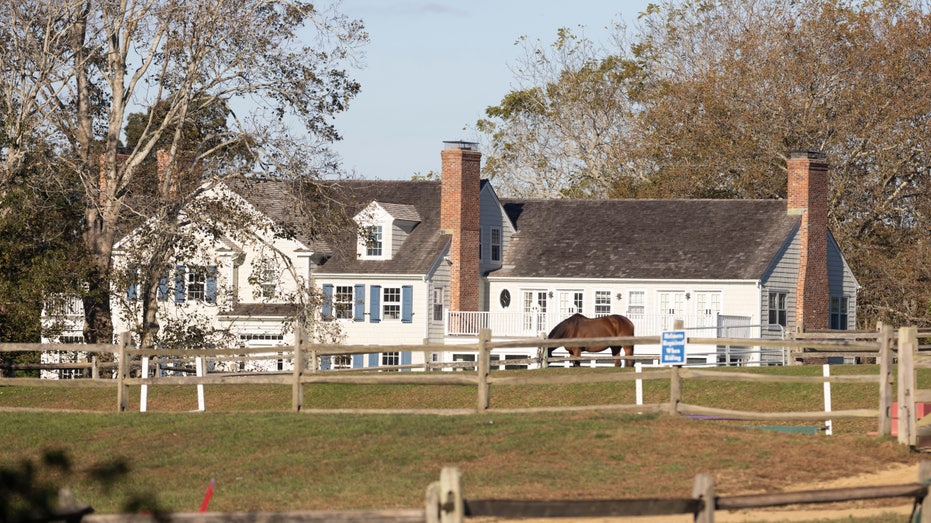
x=383 y=227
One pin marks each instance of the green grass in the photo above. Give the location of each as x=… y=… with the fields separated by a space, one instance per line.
x=265 y=458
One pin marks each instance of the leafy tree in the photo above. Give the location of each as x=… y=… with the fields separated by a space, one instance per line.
x=73 y=69
x=725 y=89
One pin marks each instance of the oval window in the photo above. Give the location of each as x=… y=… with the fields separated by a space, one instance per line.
x=505 y=298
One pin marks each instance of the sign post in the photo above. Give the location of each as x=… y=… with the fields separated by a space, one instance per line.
x=673 y=347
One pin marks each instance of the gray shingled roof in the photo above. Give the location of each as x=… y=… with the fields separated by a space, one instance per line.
x=650 y=239
x=411 y=200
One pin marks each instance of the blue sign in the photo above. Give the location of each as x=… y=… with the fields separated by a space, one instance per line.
x=673 y=348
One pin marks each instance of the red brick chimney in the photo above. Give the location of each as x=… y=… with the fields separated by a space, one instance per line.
x=808 y=196
x=459 y=216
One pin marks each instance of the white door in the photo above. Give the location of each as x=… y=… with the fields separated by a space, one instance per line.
x=534 y=304
x=671 y=307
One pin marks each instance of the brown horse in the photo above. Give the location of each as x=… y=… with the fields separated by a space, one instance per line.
x=579 y=326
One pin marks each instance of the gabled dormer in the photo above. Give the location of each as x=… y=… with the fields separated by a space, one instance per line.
x=383 y=227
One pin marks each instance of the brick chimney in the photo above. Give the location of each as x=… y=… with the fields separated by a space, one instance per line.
x=808 y=196
x=459 y=217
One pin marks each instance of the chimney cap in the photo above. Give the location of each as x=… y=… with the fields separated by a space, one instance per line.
x=461 y=144
x=807 y=154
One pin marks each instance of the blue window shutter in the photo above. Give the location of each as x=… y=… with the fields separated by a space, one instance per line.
x=373 y=360
x=325 y=362
x=407 y=304
x=357 y=361
x=162 y=293
x=406 y=359
x=210 y=291
x=375 y=304
x=180 y=277
x=327 y=308
x=358 y=308
x=132 y=292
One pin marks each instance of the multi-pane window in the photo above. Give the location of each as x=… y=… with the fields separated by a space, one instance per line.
x=636 y=303
x=391 y=303
x=570 y=302
x=196 y=284
x=342 y=301
x=268 y=283
x=438 y=304
x=602 y=303
x=839 y=312
x=373 y=241
x=390 y=358
x=495 y=244
x=777 y=308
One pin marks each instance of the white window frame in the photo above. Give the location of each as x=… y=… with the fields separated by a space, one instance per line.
x=571 y=301
x=343 y=302
x=391 y=309
x=195 y=284
x=374 y=241
x=602 y=299
x=636 y=302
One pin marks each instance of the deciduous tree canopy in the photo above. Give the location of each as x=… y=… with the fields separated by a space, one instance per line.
x=267 y=76
x=706 y=100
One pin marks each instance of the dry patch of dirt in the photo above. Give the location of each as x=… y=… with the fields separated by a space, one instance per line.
x=897 y=474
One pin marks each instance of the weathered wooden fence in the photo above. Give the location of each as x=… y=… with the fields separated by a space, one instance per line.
x=445 y=502
x=912 y=356
x=305 y=372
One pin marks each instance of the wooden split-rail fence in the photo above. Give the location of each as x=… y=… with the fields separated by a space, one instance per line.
x=445 y=502
x=884 y=345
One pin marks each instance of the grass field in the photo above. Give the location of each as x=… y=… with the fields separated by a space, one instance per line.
x=265 y=458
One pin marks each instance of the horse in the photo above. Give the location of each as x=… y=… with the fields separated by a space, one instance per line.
x=579 y=326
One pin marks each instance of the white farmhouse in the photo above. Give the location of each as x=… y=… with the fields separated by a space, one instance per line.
x=435 y=261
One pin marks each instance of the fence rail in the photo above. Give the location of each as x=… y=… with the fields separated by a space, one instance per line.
x=305 y=371
x=445 y=502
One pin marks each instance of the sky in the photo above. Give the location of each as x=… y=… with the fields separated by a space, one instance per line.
x=432 y=67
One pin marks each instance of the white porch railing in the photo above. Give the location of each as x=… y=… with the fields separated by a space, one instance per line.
x=515 y=324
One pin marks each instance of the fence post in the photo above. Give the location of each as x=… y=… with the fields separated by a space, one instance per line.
x=906 y=390
x=484 y=364
x=432 y=505
x=828 y=424
x=122 y=389
x=452 y=507
x=885 y=380
x=675 y=389
x=924 y=477
x=297 y=388
x=703 y=489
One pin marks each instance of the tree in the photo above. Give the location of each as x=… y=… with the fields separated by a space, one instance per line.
x=729 y=87
x=568 y=130
x=74 y=69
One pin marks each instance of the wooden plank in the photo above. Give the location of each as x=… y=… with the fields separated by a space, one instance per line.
x=910 y=490
x=67 y=347
x=304 y=516
x=649 y=407
x=886 y=380
x=692 y=373
x=579 y=508
x=575 y=379
x=40 y=382
x=699 y=410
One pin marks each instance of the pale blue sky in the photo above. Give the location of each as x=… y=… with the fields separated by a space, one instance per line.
x=432 y=67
